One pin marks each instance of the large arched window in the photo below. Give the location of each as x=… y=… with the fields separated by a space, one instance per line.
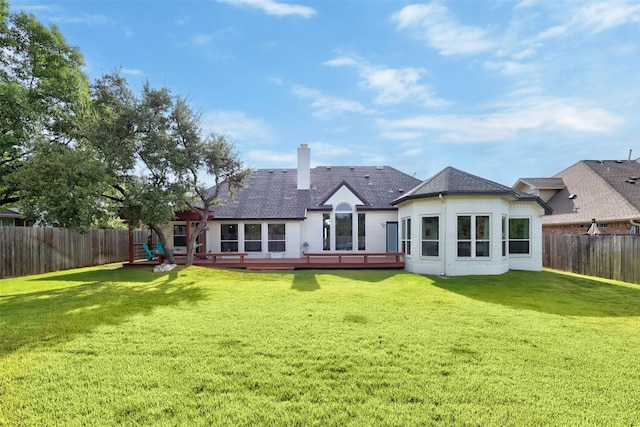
x=344 y=227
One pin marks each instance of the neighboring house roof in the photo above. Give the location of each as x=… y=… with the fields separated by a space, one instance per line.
x=541 y=183
x=600 y=189
x=10 y=213
x=273 y=193
x=451 y=181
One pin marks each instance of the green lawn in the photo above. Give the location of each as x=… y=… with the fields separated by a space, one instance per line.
x=218 y=347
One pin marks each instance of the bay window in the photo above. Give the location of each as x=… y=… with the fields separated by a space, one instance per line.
x=474 y=236
x=519 y=236
x=430 y=236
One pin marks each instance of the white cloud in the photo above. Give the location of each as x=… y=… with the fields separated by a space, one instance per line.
x=394 y=85
x=182 y=20
x=325 y=106
x=401 y=135
x=605 y=15
x=274 y=8
x=510 y=68
x=132 y=71
x=529 y=115
x=593 y=18
x=434 y=24
x=236 y=125
x=93 y=20
x=264 y=157
x=201 y=39
x=413 y=152
x=322 y=149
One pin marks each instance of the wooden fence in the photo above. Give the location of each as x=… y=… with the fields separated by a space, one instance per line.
x=35 y=250
x=609 y=256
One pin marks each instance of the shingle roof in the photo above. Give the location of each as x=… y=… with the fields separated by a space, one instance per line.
x=543 y=183
x=602 y=190
x=10 y=213
x=451 y=181
x=273 y=193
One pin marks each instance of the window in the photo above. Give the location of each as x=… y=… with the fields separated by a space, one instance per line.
x=253 y=237
x=179 y=235
x=277 y=241
x=361 y=232
x=504 y=235
x=430 y=236
x=326 y=232
x=483 y=238
x=344 y=227
x=464 y=236
x=519 y=236
x=474 y=236
x=405 y=236
x=229 y=237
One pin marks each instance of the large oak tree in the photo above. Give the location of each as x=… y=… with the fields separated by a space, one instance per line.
x=43 y=91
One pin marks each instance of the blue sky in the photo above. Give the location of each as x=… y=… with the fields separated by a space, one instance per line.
x=500 y=89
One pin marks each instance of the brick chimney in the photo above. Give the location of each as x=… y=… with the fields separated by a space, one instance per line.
x=304 y=167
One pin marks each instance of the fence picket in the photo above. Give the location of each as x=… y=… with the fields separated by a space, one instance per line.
x=34 y=250
x=614 y=257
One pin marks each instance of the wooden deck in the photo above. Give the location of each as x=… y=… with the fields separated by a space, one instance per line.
x=308 y=261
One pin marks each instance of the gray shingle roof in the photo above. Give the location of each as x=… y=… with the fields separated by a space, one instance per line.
x=543 y=183
x=601 y=190
x=273 y=193
x=451 y=181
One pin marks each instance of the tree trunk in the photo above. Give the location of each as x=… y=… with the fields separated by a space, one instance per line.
x=163 y=240
x=191 y=246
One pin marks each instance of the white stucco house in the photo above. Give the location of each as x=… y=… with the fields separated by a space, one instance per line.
x=451 y=224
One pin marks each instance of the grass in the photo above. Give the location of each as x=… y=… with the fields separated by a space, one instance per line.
x=219 y=347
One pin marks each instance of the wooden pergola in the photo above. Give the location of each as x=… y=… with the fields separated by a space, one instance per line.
x=187 y=216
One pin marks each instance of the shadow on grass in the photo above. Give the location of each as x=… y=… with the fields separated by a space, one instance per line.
x=548 y=292
x=50 y=317
x=307 y=280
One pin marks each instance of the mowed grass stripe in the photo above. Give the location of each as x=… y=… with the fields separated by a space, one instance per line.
x=202 y=346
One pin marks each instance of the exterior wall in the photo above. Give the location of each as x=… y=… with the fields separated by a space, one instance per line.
x=533 y=260
x=545 y=195
x=448 y=263
x=623 y=227
x=293 y=244
x=343 y=195
x=375 y=231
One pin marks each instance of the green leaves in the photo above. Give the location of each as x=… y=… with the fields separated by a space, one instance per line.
x=42 y=92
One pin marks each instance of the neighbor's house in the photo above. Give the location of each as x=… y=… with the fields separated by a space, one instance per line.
x=452 y=224
x=605 y=190
x=12 y=217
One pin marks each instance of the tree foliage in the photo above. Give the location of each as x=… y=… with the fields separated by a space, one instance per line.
x=79 y=155
x=43 y=91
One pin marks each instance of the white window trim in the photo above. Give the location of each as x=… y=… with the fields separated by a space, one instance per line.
x=530 y=239
x=473 y=240
x=405 y=224
x=439 y=240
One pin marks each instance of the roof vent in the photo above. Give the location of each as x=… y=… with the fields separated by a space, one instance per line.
x=352 y=168
x=573 y=196
x=285 y=171
x=379 y=168
x=619 y=161
x=328 y=168
x=600 y=161
x=401 y=190
x=630 y=181
x=270 y=170
x=366 y=176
